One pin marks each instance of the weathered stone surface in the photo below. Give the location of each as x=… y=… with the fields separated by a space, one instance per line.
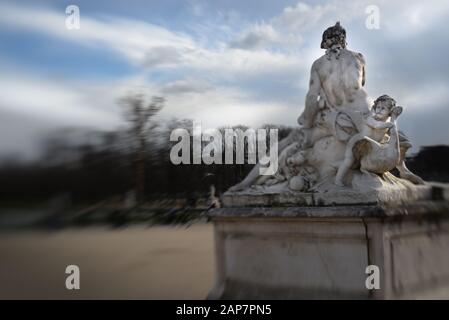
x=426 y=208
x=322 y=252
x=426 y=254
x=392 y=195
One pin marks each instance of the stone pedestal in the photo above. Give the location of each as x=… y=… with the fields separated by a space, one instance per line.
x=322 y=252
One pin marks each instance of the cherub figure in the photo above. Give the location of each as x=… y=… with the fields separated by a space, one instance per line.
x=376 y=152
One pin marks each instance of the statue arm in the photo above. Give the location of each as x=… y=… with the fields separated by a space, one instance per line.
x=361 y=59
x=363 y=69
x=363 y=76
x=378 y=124
x=314 y=89
x=311 y=103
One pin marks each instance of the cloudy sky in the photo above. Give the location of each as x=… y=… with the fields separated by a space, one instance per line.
x=222 y=62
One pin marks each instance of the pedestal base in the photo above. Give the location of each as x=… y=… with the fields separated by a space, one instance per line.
x=323 y=252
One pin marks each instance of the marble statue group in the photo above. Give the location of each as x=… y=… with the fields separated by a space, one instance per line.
x=345 y=140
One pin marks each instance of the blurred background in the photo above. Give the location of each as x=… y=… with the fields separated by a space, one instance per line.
x=86 y=115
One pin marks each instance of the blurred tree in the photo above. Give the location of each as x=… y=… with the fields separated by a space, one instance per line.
x=139 y=113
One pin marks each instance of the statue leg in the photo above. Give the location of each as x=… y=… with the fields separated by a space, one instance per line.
x=344 y=168
x=347 y=161
x=406 y=174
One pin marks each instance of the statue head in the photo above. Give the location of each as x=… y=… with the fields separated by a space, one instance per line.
x=385 y=107
x=335 y=35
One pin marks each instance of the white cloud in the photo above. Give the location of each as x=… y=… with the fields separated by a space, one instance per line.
x=303 y=17
x=427 y=97
x=50 y=100
x=219 y=79
x=288 y=28
x=65 y=102
x=413 y=18
x=225 y=106
x=258 y=36
x=68 y=103
x=186 y=86
x=143 y=44
x=135 y=40
x=294 y=23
